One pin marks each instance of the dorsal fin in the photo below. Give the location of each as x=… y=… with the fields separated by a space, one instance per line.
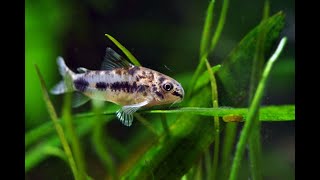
x=82 y=70
x=113 y=60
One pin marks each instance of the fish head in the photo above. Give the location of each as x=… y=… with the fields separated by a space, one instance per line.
x=167 y=90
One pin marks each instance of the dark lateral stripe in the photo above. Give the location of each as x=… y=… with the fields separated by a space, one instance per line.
x=102 y=86
x=177 y=94
x=81 y=84
x=159 y=94
x=124 y=86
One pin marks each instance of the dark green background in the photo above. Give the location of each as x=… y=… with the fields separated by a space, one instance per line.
x=162 y=35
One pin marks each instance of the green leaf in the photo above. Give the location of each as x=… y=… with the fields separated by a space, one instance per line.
x=84 y=125
x=172 y=157
x=124 y=50
x=58 y=127
x=204 y=78
x=267 y=113
x=190 y=134
x=253 y=110
x=235 y=75
x=235 y=72
x=205 y=40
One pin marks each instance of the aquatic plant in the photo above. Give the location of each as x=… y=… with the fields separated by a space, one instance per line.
x=219 y=99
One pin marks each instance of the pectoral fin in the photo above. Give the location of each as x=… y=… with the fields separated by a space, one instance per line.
x=125 y=114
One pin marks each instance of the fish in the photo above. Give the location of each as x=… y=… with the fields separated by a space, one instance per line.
x=120 y=82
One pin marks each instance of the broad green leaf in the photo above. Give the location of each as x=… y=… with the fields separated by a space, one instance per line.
x=235 y=72
x=172 y=157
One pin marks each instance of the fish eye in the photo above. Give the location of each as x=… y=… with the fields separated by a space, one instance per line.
x=167 y=86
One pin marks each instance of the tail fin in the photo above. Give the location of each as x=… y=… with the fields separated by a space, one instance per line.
x=66 y=84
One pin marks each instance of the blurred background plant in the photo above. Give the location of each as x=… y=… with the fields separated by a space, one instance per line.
x=163 y=36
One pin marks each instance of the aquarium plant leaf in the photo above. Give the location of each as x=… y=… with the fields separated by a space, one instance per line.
x=58 y=126
x=192 y=134
x=205 y=39
x=253 y=110
x=268 y=113
x=84 y=123
x=254 y=142
x=234 y=75
x=124 y=50
x=46 y=129
x=33 y=157
x=205 y=48
x=204 y=78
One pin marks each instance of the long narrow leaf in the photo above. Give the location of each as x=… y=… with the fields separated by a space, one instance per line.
x=58 y=127
x=124 y=50
x=268 y=113
x=252 y=112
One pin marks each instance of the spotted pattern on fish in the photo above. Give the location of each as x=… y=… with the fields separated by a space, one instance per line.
x=133 y=70
x=124 y=86
x=159 y=94
x=102 y=86
x=161 y=79
x=81 y=84
x=154 y=89
x=177 y=94
x=122 y=83
x=141 y=88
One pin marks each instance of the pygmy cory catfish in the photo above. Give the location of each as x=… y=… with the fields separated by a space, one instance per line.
x=119 y=82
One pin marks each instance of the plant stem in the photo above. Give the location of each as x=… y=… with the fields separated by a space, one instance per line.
x=220 y=25
x=228 y=143
x=98 y=141
x=147 y=124
x=255 y=151
x=255 y=137
x=204 y=51
x=165 y=124
x=198 y=173
x=207 y=162
x=252 y=112
x=214 y=92
x=204 y=45
x=57 y=126
x=216 y=144
x=75 y=144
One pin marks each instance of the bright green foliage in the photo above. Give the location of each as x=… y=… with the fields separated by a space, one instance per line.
x=173 y=139
x=41 y=46
x=233 y=90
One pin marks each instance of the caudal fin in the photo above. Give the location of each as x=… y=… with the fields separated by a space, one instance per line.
x=66 y=84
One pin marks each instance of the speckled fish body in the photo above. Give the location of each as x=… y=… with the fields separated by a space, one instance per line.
x=122 y=83
x=125 y=86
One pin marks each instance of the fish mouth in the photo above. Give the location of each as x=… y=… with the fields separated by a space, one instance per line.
x=180 y=94
x=175 y=93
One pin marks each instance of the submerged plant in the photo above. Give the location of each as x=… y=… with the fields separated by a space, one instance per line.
x=218 y=99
